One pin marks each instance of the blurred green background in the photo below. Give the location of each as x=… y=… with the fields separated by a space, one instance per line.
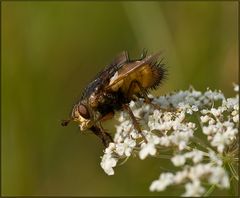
x=51 y=50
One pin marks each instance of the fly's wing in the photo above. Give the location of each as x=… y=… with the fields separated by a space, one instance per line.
x=148 y=63
x=117 y=62
x=106 y=74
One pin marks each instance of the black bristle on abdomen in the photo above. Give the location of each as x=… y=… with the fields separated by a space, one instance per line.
x=159 y=74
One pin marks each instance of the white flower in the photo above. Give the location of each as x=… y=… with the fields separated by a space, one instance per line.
x=236 y=87
x=193 y=189
x=208 y=130
x=162 y=101
x=165 y=180
x=164 y=141
x=221 y=140
x=216 y=112
x=189 y=111
x=196 y=94
x=155 y=120
x=236 y=118
x=181 y=138
x=108 y=163
x=167 y=116
x=178 y=160
x=197 y=171
x=205 y=118
x=175 y=134
x=195 y=155
x=110 y=148
x=180 y=117
x=180 y=176
x=126 y=147
x=214 y=158
x=211 y=121
x=204 y=111
x=231 y=103
x=122 y=117
x=214 y=95
x=120 y=148
x=147 y=149
x=219 y=177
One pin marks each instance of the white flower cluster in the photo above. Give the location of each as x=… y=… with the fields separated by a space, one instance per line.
x=175 y=121
x=211 y=172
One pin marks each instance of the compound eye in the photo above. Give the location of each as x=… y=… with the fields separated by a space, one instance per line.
x=83 y=111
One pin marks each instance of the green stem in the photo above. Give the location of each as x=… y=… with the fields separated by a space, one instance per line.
x=210 y=190
x=233 y=171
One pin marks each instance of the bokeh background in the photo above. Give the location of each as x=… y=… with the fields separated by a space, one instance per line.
x=51 y=50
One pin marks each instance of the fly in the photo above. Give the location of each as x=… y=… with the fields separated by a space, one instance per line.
x=113 y=88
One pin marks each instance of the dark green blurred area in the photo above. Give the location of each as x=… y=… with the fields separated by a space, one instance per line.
x=51 y=50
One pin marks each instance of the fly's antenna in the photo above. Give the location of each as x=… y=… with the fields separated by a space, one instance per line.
x=65 y=122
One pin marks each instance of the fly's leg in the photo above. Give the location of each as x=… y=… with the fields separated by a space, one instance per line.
x=104 y=136
x=142 y=91
x=134 y=120
x=147 y=99
x=127 y=108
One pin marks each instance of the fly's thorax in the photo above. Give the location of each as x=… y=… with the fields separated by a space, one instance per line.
x=82 y=115
x=96 y=98
x=93 y=102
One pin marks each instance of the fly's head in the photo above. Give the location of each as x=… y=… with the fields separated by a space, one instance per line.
x=82 y=115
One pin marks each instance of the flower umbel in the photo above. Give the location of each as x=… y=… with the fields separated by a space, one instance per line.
x=183 y=117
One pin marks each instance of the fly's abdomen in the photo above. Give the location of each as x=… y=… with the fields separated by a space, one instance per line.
x=146 y=76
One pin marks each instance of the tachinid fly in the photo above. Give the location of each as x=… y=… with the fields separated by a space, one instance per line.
x=113 y=88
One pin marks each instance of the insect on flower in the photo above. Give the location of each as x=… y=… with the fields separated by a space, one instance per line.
x=113 y=88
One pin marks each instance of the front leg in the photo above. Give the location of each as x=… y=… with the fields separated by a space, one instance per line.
x=104 y=136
